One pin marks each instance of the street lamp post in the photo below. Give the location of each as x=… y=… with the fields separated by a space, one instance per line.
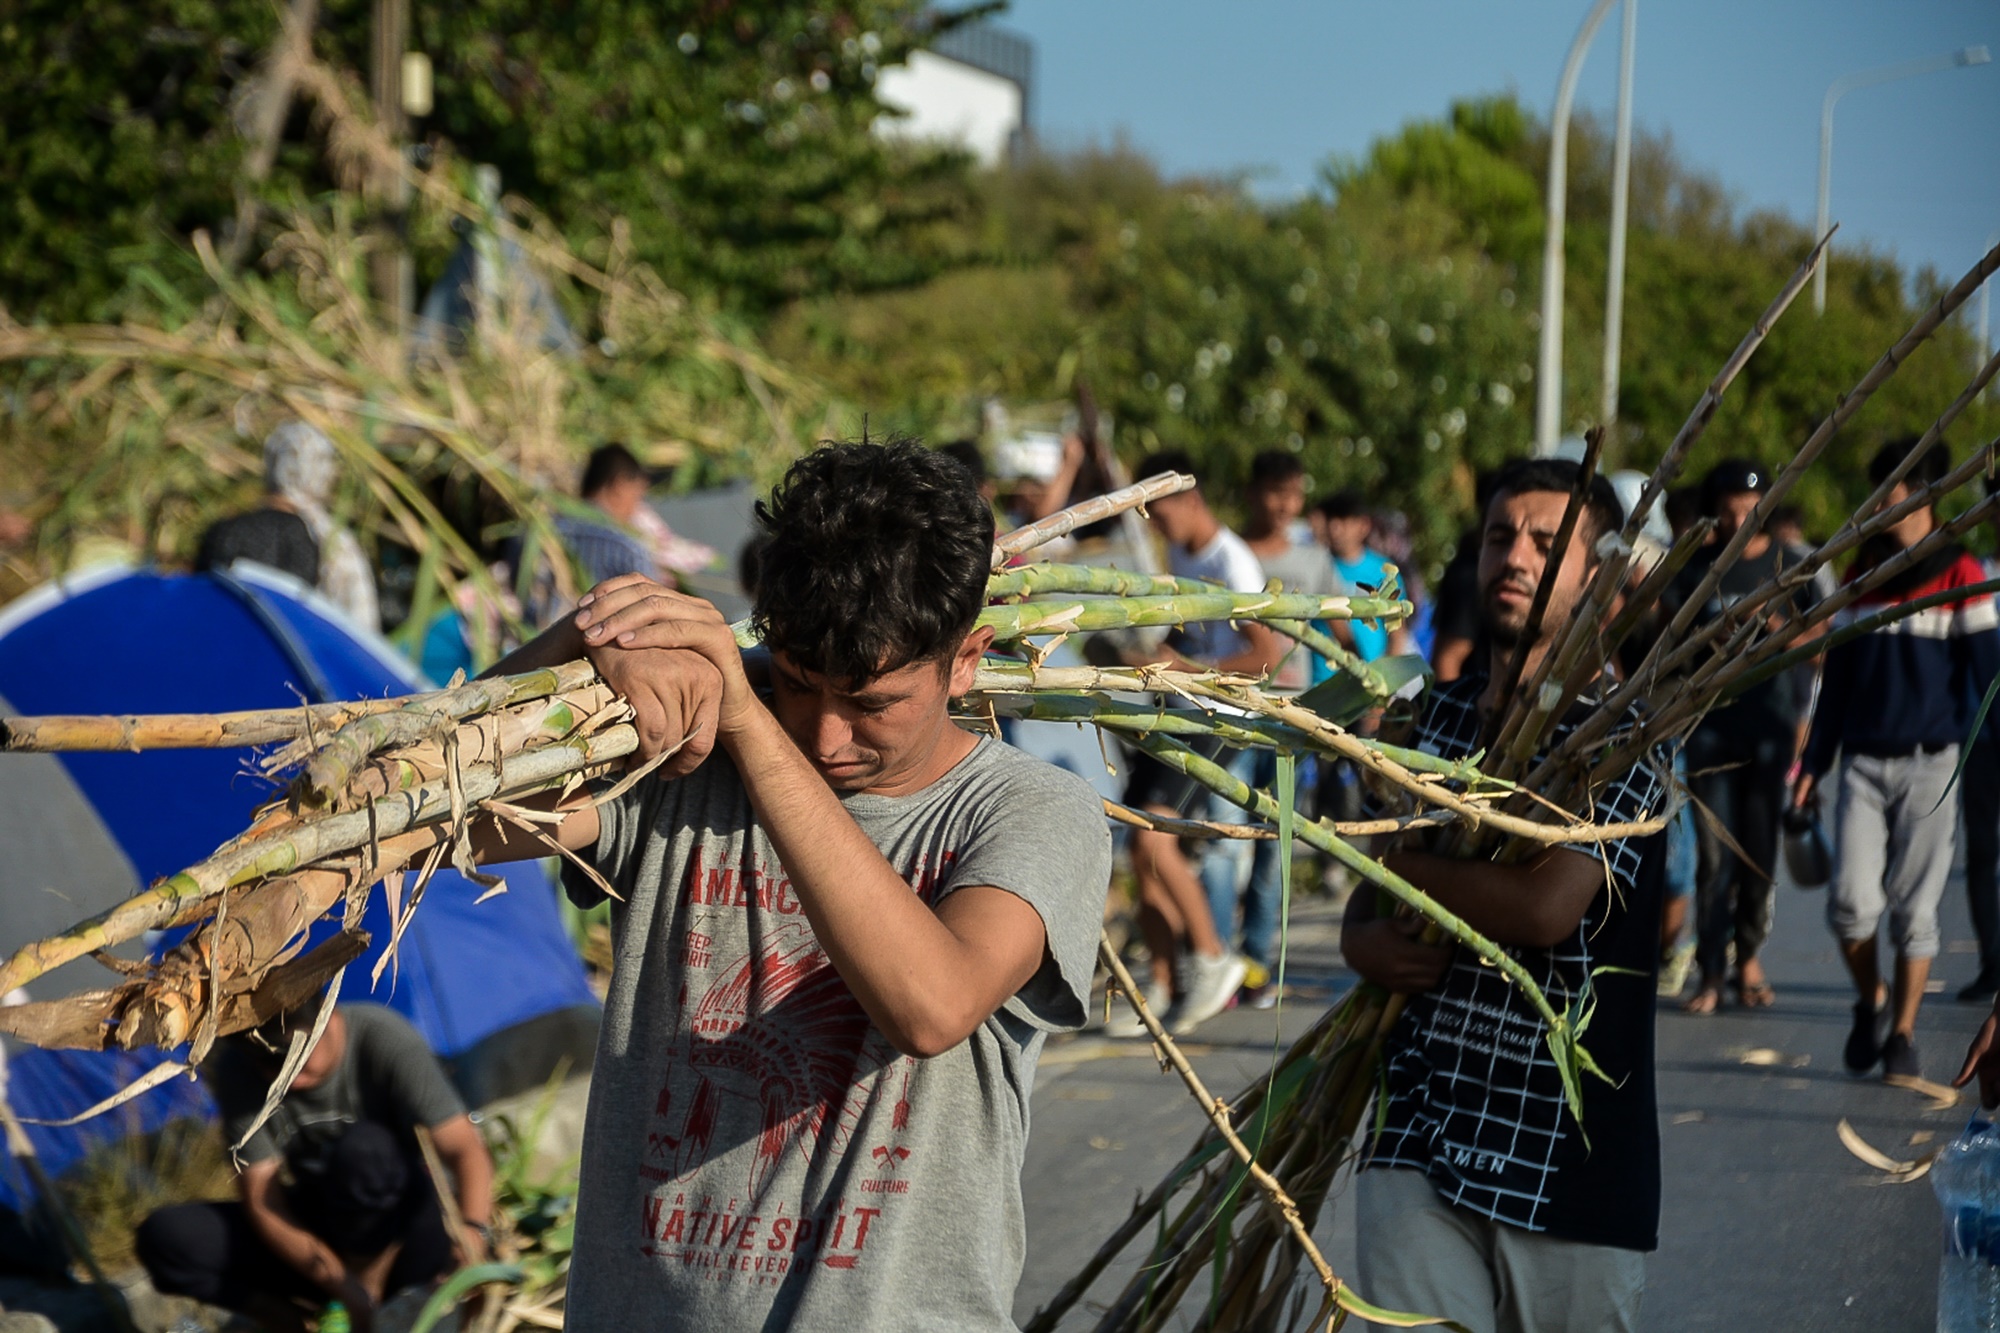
x=1839 y=88
x=1548 y=381
x=1621 y=191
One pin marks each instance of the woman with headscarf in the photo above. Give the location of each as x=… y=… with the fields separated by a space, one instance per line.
x=294 y=531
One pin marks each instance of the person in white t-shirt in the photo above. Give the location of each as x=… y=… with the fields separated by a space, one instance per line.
x=1191 y=961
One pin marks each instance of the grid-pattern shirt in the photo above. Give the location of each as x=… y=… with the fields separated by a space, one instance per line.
x=1472 y=1093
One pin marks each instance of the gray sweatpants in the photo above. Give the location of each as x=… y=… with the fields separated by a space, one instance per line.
x=1416 y=1254
x=1893 y=837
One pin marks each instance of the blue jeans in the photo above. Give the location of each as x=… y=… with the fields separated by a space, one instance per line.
x=1681 y=859
x=1225 y=862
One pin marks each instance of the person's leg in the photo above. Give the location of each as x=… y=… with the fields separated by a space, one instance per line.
x=1177 y=884
x=1226 y=862
x=1979 y=808
x=210 y=1251
x=1760 y=796
x=1416 y=1254
x=1908 y=993
x=1712 y=786
x=1854 y=897
x=1925 y=824
x=1262 y=900
x=1864 y=969
x=1263 y=904
x=1160 y=921
x=1156 y=789
x=1548 y=1285
x=1681 y=877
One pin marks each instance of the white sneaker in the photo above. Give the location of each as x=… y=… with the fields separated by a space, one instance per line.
x=1125 y=1019
x=1207 y=987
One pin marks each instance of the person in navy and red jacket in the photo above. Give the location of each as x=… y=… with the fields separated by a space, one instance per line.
x=1896 y=703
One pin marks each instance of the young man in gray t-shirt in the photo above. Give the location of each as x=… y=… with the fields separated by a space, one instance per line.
x=844 y=931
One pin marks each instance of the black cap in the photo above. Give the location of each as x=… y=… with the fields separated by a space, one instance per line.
x=1733 y=476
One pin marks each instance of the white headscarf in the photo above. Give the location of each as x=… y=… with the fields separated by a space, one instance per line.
x=300 y=465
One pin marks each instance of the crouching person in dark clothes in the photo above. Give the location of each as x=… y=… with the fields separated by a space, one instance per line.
x=335 y=1202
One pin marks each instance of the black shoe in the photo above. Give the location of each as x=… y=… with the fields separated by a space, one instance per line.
x=1980 y=990
x=1865 y=1039
x=1900 y=1058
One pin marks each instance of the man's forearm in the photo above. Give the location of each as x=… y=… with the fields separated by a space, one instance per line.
x=1534 y=904
x=472 y=1172
x=559 y=643
x=908 y=968
x=303 y=1252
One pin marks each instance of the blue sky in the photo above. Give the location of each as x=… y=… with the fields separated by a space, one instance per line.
x=1274 y=87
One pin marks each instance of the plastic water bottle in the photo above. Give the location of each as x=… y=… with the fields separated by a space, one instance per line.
x=1966 y=1177
x=335 y=1319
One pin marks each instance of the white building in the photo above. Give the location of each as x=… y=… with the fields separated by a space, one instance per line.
x=970 y=87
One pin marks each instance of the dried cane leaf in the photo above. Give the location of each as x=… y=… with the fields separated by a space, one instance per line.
x=295 y=1059
x=145 y=1083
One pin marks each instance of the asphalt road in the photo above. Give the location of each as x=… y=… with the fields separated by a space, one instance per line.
x=1768 y=1221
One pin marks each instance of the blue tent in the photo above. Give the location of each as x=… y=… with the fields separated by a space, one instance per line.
x=495 y=987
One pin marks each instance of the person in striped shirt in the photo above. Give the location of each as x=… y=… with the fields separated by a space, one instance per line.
x=1895 y=704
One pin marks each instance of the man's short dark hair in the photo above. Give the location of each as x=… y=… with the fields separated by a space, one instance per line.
x=1275 y=467
x=1168 y=460
x=1732 y=476
x=1927 y=471
x=1602 y=511
x=609 y=464
x=871 y=557
x=1343 y=504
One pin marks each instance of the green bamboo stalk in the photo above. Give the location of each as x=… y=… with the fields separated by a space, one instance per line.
x=1342 y=659
x=999 y=677
x=1084 y=615
x=1117 y=714
x=1042 y=580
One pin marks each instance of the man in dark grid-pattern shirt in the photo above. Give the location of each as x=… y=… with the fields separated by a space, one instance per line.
x=1482 y=1199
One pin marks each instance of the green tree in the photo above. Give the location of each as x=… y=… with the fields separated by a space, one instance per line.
x=735 y=141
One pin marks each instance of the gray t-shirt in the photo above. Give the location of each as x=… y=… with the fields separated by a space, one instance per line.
x=387 y=1075
x=1301 y=569
x=757 y=1155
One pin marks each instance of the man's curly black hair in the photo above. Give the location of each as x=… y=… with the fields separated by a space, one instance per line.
x=872 y=556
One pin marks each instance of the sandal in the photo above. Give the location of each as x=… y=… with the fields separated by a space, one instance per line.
x=1706 y=1000
x=1756 y=995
